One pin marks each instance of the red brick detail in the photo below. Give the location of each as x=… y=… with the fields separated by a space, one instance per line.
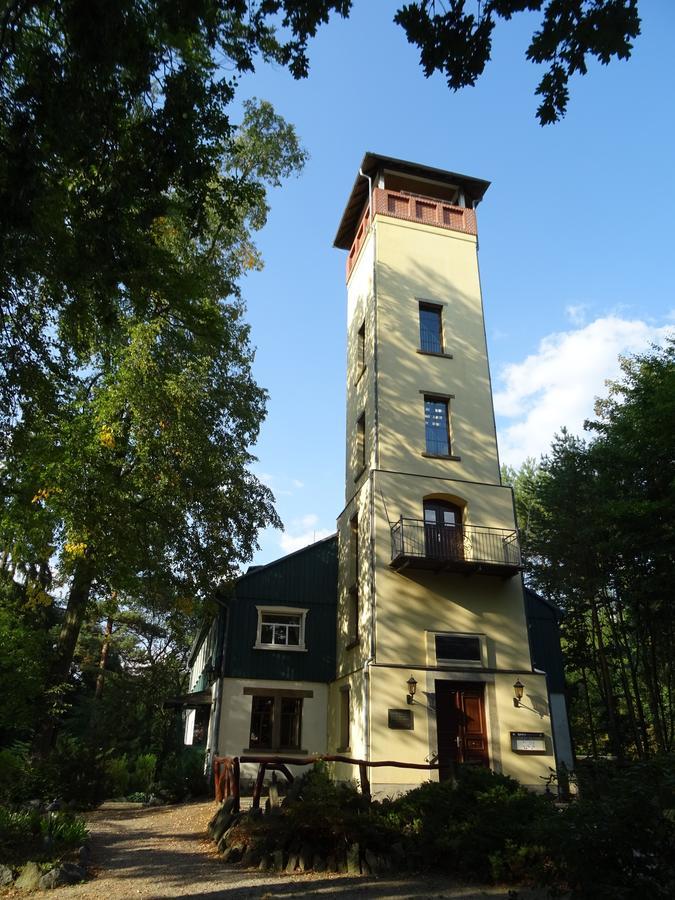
x=412 y=208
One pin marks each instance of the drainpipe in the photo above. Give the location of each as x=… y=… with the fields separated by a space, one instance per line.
x=218 y=710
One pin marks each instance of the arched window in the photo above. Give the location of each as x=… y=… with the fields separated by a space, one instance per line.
x=443 y=532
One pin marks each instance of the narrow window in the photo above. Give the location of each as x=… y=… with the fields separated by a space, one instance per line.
x=345 y=715
x=361 y=350
x=431 y=328
x=436 y=426
x=353 y=615
x=361 y=442
x=290 y=710
x=262 y=722
x=354 y=549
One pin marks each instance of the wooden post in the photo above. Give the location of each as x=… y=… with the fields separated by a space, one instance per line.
x=365 y=783
x=257 y=790
x=216 y=779
x=236 y=784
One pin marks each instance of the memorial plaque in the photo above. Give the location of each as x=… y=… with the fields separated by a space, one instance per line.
x=528 y=742
x=402 y=719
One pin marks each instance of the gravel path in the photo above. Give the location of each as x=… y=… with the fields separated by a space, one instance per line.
x=163 y=852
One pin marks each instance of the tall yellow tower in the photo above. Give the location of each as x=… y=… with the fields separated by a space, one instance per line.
x=432 y=632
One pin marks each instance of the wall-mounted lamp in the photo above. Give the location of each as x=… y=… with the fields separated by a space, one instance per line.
x=412 y=687
x=518 y=689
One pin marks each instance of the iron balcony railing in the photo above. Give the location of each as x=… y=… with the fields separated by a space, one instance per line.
x=461 y=548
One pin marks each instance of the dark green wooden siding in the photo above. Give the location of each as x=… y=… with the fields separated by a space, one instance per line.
x=306 y=579
x=544 y=634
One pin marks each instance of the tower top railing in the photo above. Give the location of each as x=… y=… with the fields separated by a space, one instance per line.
x=412 y=208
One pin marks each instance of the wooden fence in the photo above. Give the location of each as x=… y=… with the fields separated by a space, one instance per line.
x=227 y=776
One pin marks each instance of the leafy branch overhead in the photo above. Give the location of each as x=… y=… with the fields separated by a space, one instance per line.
x=458 y=43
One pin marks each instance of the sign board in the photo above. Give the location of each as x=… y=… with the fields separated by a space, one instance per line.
x=528 y=742
x=402 y=719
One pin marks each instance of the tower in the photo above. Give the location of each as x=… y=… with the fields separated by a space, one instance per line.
x=429 y=586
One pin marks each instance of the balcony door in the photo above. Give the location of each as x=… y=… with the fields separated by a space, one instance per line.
x=460 y=720
x=443 y=533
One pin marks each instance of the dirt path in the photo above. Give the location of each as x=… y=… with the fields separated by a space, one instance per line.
x=163 y=852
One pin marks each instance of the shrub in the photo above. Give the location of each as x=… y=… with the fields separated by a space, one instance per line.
x=181 y=775
x=34 y=835
x=14 y=775
x=73 y=772
x=618 y=840
x=143 y=775
x=116 y=777
x=471 y=828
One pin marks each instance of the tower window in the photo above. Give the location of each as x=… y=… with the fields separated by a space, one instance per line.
x=345 y=716
x=436 y=426
x=361 y=442
x=361 y=350
x=431 y=328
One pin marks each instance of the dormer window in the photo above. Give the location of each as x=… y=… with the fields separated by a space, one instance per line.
x=280 y=628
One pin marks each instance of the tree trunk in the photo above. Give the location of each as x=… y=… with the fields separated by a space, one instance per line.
x=614 y=737
x=103 y=662
x=64 y=652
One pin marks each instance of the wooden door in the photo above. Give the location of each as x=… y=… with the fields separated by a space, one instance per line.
x=460 y=722
x=443 y=533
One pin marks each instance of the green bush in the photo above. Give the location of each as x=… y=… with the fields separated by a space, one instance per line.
x=181 y=775
x=143 y=774
x=117 y=777
x=471 y=828
x=73 y=772
x=14 y=775
x=618 y=840
x=35 y=835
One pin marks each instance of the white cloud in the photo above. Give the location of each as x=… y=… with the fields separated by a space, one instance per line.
x=558 y=384
x=576 y=313
x=297 y=483
x=302 y=532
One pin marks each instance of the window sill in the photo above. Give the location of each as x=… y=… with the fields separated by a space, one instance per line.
x=275 y=752
x=434 y=353
x=360 y=473
x=442 y=456
x=279 y=647
x=359 y=376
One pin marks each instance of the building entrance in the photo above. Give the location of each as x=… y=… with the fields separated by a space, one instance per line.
x=460 y=721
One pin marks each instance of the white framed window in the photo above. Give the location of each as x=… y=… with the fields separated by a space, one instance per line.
x=455 y=648
x=280 y=628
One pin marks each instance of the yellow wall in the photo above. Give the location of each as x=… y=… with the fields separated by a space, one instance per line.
x=401 y=264
x=420 y=262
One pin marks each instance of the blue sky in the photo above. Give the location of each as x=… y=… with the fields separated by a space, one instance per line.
x=576 y=235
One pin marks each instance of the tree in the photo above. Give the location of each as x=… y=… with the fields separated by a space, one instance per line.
x=459 y=43
x=133 y=475
x=601 y=543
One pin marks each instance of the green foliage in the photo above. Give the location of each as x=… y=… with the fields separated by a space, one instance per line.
x=32 y=835
x=597 y=518
x=73 y=772
x=459 y=43
x=471 y=827
x=116 y=777
x=181 y=775
x=143 y=774
x=618 y=841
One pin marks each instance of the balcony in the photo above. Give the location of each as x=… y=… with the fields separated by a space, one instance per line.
x=413 y=208
x=465 y=549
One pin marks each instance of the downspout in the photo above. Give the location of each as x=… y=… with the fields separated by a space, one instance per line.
x=218 y=710
x=371 y=656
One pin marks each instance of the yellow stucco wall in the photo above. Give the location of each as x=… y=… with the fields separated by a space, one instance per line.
x=400 y=265
x=423 y=263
